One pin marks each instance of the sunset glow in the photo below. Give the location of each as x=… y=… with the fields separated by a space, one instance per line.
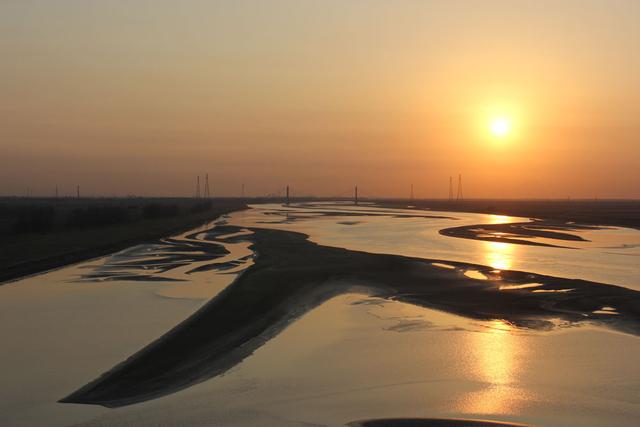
x=140 y=98
x=500 y=127
x=448 y=187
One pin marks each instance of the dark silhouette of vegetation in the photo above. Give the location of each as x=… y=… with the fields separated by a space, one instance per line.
x=19 y=216
x=159 y=210
x=37 y=234
x=34 y=219
x=201 y=207
x=96 y=216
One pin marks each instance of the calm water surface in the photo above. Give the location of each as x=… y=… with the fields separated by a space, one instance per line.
x=610 y=255
x=354 y=357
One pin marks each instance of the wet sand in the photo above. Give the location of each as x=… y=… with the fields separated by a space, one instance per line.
x=430 y=422
x=620 y=213
x=32 y=253
x=292 y=275
x=518 y=232
x=346 y=360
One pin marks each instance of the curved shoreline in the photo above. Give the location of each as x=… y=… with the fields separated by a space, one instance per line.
x=292 y=275
x=616 y=213
x=19 y=271
x=431 y=422
x=515 y=232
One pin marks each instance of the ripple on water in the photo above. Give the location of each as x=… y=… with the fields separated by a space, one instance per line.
x=443 y=265
x=606 y=310
x=521 y=286
x=475 y=274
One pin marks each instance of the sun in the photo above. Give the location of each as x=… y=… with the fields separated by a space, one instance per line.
x=500 y=126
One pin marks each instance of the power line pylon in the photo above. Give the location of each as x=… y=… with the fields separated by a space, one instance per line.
x=206 y=186
x=287 y=195
x=459 y=195
x=450 y=188
x=198 y=187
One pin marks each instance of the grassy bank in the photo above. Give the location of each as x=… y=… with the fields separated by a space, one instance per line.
x=40 y=234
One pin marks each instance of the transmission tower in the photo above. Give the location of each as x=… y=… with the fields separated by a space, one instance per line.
x=355 y=198
x=287 y=195
x=206 y=186
x=450 y=188
x=198 y=187
x=459 y=195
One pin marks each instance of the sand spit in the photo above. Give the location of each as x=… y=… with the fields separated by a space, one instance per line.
x=292 y=275
x=33 y=253
x=148 y=262
x=518 y=232
x=618 y=213
x=430 y=422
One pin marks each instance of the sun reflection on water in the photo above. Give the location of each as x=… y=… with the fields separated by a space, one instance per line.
x=499 y=255
x=495 y=353
x=495 y=362
x=498 y=219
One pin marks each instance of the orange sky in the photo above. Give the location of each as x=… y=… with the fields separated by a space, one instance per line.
x=140 y=97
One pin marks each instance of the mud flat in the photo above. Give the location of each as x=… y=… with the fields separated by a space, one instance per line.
x=292 y=275
x=621 y=213
x=97 y=232
x=519 y=232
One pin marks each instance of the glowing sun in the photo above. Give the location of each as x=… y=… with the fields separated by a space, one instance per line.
x=500 y=127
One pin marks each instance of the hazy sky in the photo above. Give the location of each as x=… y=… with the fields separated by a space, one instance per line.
x=139 y=97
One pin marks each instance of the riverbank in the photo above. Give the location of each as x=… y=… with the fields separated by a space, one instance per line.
x=292 y=276
x=521 y=233
x=618 y=213
x=26 y=253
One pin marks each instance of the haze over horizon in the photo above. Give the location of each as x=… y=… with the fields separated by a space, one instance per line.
x=140 y=97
